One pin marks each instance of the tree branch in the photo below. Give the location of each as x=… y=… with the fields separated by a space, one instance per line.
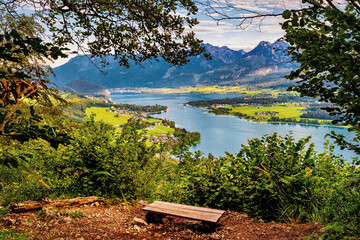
x=356 y=5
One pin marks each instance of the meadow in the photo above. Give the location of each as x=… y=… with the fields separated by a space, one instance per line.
x=111 y=118
x=116 y=119
x=281 y=111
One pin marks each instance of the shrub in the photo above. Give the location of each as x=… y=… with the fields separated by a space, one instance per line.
x=274 y=178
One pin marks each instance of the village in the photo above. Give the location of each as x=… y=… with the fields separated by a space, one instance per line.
x=156 y=130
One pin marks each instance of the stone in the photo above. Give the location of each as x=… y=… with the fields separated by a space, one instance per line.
x=215 y=236
x=139 y=221
x=67 y=219
x=136 y=227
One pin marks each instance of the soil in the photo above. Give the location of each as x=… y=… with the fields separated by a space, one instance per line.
x=112 y=221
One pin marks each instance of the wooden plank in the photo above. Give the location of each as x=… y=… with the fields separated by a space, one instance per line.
x=175 y=205
x=185 y=211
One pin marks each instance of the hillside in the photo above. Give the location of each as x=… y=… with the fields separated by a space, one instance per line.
x=264 y=66
x=85 y=87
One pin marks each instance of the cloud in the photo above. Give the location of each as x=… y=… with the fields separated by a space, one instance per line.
x=214 y=29
x=266 y=4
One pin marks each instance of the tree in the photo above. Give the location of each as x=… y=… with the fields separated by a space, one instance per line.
x=131 y=29
x=324 y=41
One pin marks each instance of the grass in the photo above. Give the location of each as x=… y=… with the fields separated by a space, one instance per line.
x=7 y=234
x=103 y=114
x=160 y=130
x=153 y=120
x=282 y=111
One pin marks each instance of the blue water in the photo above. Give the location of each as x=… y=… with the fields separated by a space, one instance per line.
x=224 y=133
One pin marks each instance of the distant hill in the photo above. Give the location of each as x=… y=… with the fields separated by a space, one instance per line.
x=85 y=87
x=264 y=66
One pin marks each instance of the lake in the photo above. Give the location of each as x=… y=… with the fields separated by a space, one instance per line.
x=224 y=133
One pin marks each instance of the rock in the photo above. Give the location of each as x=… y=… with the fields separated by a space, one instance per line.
x=215 y=236
x=139 y=221
x=7 y=221
x=67 y=219
x=136 y=227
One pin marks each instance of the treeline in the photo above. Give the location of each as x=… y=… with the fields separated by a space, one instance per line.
x=79 y=102
x=84 y=101
x=303 y=121
x=131 y=107
x=318 y=113
x=185 y=138
x=220 y=111
x=267 y=99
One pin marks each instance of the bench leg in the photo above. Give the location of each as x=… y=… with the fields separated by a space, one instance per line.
x=153 y=217
x=209 y=225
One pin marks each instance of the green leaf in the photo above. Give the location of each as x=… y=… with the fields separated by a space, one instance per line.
x=286 y=14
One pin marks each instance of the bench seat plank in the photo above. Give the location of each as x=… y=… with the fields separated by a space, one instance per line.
x=185 y=211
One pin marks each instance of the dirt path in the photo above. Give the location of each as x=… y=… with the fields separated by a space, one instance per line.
x=101 y=221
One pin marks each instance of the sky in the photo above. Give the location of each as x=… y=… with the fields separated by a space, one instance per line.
x=228 y=32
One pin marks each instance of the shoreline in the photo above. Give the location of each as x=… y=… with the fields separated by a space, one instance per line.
x=270 y=122
x=244 y=91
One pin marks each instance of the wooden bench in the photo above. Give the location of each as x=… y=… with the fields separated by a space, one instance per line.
x=157 y=210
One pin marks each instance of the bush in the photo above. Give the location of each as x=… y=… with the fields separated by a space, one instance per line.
x=273 y=178
x=96 y=148
x=71 y=169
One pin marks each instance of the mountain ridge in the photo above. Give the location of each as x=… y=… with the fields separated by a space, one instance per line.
x=264 y=66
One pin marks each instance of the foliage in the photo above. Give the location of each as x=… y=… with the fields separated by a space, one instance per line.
x=23 y=76
x=26 y=124
x=9 y=234
x=254 y=99
x=24 y=56
x=324 y=40
x=76 y=214
x=137 y=30
x=70 y=169
x=343 y=213
x=93 y=149
x=19 y=76
x=4 y=211
x=273 y=178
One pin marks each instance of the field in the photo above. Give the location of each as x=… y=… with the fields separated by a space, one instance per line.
x=103 y=114
x=265 y=113
x=211 y=89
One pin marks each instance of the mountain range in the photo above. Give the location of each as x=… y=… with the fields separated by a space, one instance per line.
x=264 y=66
